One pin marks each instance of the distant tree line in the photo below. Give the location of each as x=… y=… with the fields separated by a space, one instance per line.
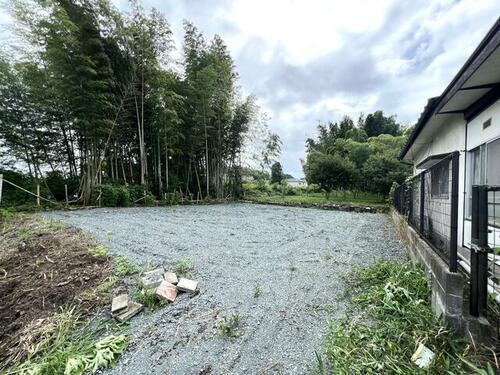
x=361 y=156
x=96 y=96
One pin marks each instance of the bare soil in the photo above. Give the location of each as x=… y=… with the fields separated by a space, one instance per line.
x=44 y=266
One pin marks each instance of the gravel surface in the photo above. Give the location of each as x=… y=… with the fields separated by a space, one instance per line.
x=295 y=255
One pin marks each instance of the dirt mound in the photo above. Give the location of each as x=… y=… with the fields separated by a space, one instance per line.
x=43 y=266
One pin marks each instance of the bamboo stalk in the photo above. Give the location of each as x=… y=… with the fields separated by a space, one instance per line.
x=38 y=194
x=1 y=186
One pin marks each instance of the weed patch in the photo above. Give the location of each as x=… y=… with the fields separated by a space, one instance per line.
x=99 y=252
x=257 y=290
x=184 y=268
x=148 y=297
x=231 y=326
x=63 y=347
x=395 y=317
x=124 y=266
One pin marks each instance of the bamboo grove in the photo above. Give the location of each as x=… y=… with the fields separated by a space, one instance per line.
x=96 y=94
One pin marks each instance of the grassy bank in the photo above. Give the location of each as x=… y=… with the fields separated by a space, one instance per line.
x=391 y=316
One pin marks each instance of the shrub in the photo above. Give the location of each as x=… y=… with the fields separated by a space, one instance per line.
x=108 y=196
x=122 y=196
x=170 y=199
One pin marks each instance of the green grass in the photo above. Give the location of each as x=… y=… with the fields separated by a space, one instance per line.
x=394 y=316
x=184 y=268
x=100 y=252
x=231 y=326
x=107 y=285
x=147 y=297
x=63 y=347
x=124 y=266
x=349 y=198
x=257 y=290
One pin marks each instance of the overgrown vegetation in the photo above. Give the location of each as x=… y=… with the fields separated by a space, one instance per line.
x=362 y=156
x=312 y=194
x=395 y=316
x=231 y=326
x=61 y=345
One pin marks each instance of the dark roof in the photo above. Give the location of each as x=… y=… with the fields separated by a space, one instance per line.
x=489 y=43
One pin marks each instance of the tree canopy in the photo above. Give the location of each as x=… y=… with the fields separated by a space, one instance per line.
x=96 y=95
x=360 y=156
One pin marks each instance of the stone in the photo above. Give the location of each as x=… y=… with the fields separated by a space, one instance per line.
x=171 y=277
x=186 y=285
x=133 y=308
x=152 y=279
x=119 y=303
x=167 y=291
x=423 y=356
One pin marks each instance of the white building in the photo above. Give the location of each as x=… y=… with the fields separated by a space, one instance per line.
x=296 y=182
x=464 y=118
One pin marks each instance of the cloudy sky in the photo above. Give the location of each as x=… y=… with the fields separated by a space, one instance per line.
x=317 y=60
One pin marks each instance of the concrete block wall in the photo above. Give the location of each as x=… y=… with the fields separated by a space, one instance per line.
x=447 y=287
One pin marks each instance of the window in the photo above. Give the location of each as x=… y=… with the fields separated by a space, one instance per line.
x=492 y=163
x=440 y=180
x=483 y=168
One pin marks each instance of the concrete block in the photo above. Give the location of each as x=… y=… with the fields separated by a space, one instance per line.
x=119 y=303
x=454 y=304
x=152 y=279
x=171 y=277
x=454 y=322
x=186 y=285
x=132 y=309
x=167 y=291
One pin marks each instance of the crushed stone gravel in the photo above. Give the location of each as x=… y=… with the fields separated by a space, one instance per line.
x=295 y=256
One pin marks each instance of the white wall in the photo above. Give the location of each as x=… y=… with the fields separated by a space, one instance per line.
x=477 y=136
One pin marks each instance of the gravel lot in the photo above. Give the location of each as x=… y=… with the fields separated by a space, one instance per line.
x=295 y=255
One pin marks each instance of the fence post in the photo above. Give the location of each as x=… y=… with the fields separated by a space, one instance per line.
x=454 y=213
x=422 y=198
x=66 y=193
x=38 y=194
x=479 y=251
x=1 y=186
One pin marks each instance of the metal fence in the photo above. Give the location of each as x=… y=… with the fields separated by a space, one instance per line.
x=485 y=251
x=429 y=201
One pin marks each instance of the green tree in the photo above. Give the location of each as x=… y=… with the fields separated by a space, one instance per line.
x=376 y=123
x=276 y=173
x=380 y=171
x=329 y=171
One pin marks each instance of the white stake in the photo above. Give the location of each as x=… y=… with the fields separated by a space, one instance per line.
x=1 y=185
